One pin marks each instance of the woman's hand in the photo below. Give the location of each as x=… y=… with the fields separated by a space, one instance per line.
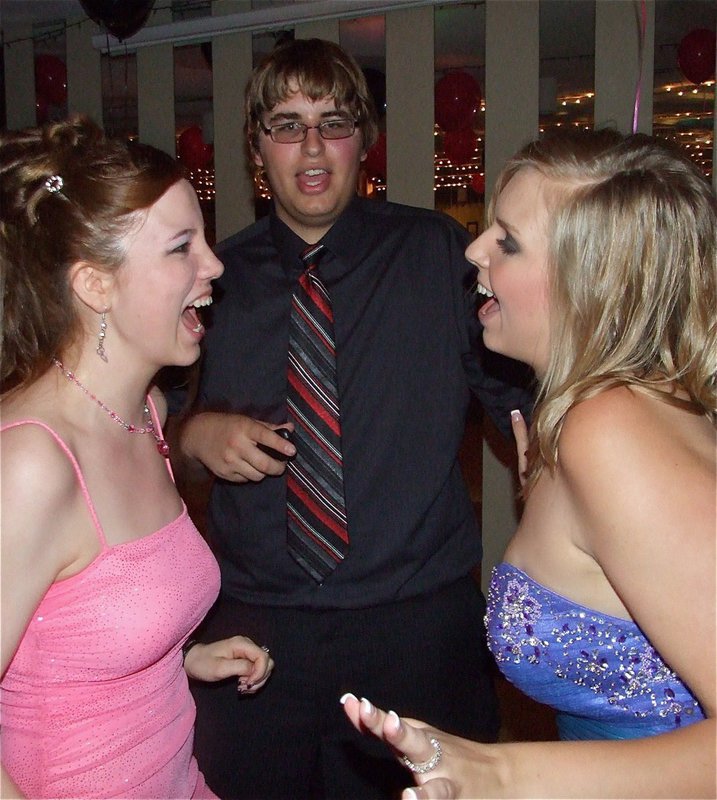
x=237 y=656
x=455 y=764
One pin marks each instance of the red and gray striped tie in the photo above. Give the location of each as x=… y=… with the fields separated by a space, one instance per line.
x=317 y=534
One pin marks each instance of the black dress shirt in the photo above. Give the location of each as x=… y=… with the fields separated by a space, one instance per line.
x=408 y=353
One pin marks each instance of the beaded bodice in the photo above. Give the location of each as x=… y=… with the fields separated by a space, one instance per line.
x=586 y=664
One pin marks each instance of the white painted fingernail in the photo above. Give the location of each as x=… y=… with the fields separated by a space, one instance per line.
x=366 y=705
x=347 y=696
x=515 y=414
x=409 y=794
x=396 y=720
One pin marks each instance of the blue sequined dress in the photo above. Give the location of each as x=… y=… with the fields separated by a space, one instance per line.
x=599 y=672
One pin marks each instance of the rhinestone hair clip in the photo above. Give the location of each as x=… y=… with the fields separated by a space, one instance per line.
x=54 y=184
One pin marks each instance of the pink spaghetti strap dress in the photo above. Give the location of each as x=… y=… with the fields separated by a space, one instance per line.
x=95 y=702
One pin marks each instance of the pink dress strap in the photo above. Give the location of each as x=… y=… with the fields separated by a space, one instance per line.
x=158 y=428
x=78 y=472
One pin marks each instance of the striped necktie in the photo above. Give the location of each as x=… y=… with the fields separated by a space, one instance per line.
x=317 y=534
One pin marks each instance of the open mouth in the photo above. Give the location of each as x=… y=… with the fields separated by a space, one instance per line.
x=487 y=301
x=190 y=315
x=313 y=177
x=484 y=294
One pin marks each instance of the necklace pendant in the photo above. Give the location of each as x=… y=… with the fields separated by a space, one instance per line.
x=163 y=448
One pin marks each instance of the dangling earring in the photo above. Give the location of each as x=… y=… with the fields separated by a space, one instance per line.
x=101 y=338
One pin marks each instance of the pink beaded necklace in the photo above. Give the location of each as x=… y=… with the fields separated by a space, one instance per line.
x=162 y=446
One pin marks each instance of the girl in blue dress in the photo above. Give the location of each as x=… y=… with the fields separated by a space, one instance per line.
x=599 y=267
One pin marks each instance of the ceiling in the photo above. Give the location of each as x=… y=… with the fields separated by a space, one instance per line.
x=566 y=60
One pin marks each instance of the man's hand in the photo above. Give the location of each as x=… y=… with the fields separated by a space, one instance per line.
x=228 y=445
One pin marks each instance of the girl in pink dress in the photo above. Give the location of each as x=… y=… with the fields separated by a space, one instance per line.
x=104 y=576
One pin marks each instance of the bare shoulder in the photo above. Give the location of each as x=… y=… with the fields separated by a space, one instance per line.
x=601 y=422
x=42 y=527
x=626 y=454
x=37 y=475
x=623 y=429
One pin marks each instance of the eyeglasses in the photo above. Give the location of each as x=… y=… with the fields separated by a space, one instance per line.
x=293 y=132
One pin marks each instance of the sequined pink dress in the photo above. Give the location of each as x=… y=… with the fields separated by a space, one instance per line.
x=95 y=702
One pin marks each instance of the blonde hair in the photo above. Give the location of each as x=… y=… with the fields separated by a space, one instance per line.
x=318 y=69
x=633 y=271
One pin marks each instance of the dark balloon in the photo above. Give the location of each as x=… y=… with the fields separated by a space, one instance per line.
x=457 y=99
x=696 y=55
x=192 y=150
x=121 y=18
x=51 y=79
x=376 y=82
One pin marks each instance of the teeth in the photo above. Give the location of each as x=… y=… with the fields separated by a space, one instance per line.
x=198 y=328
x=313 y=172
x=202 y=301
x=483 y=290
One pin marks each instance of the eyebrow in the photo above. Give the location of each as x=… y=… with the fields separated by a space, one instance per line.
x=508 y=227
x=181 y=234
x=293 y=116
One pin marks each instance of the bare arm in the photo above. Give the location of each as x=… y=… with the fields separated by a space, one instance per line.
x=39 y=492
x=227 y=445
x=642 y=484
x=678 y=764
x=642 y=477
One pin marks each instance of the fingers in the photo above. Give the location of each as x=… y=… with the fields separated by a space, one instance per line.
x=351 y=706
x=365 y=716
x=409 y=738
x=252 y=664
x=229 y=446
x=277 y=447
x=434 y=789
x=237 y=657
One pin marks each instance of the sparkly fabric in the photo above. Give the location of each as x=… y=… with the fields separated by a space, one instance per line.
x=96 y=702
x=599 y=672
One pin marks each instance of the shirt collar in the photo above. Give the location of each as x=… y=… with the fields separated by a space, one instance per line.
x=342 y=241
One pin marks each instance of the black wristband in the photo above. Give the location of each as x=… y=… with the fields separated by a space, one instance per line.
x=188 y=645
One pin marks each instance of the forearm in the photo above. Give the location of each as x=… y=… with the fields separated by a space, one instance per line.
x=188 y=469
x=677 y=764
x=190 y=435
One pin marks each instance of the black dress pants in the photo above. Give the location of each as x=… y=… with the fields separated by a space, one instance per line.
x=425 y=657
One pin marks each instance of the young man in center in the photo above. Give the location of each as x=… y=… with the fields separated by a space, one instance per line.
x=334 y=566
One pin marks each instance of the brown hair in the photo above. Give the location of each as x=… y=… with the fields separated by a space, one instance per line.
x=633 y=270
x=105 y=184
x=318 y=69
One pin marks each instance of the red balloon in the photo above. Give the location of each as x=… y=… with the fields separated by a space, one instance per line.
x=456 y=100
x=696 y=55
x=192 y=150
x=459 y=146
x=375 y=163
x=478 y=183
x=51 y=78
